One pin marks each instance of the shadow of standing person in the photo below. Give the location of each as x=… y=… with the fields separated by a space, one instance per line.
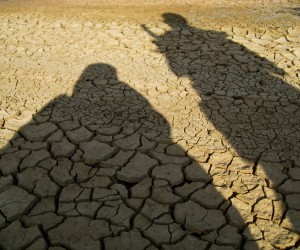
x=98 y=168
x=246 y=99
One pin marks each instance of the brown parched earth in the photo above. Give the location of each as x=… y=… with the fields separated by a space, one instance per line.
x=149 y=124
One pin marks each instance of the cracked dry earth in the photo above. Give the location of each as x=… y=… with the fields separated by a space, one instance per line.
x=152 y=130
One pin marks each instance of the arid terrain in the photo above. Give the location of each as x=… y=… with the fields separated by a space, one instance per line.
x=149 y=124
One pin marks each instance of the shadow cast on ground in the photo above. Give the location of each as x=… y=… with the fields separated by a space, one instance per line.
x=99 y=166
x=247 y=100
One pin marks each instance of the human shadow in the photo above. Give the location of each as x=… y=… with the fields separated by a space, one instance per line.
x=248 y=102
x=295 y=11
x=99 y=167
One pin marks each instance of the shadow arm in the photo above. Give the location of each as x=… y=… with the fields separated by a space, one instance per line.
x=149 y=31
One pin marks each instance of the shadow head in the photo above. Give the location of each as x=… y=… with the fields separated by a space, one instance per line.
x=99 y=71
x=174 y=20
x=96 y=74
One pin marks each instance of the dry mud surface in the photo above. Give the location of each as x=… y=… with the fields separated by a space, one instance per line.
x=162 y=125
